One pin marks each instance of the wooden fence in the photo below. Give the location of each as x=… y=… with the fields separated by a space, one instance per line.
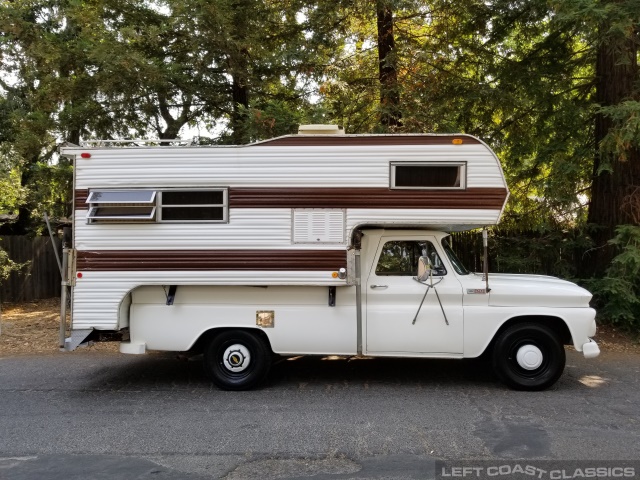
x=39 y=278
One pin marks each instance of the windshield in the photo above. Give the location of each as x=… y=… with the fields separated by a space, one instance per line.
x=455 y=261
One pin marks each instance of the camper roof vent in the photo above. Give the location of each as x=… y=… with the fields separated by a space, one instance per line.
x=320 y=130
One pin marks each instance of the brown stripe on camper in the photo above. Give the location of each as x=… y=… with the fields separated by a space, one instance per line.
x=363 y=140
x=471 y=198
x=80 y=199
x=297 y=260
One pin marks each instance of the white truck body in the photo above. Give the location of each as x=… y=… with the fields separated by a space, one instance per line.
x=308 y=243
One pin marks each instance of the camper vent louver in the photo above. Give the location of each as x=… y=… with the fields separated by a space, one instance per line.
x=320 y=130
x=318 y=225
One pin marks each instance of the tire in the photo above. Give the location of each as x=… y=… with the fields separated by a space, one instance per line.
x=237 y=360
x=528 y=356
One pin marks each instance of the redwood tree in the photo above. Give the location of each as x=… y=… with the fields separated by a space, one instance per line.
x=615 y=193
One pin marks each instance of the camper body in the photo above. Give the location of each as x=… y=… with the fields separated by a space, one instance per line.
x=307 y=245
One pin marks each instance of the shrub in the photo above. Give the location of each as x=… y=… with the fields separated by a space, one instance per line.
x=618 y=292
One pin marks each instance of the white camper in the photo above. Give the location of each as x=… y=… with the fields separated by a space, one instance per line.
x=309 y=244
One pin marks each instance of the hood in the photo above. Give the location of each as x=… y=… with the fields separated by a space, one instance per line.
x=535 y=291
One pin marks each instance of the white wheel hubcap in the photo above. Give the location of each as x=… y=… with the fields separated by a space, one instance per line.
x=236 y=358
x=529 y=357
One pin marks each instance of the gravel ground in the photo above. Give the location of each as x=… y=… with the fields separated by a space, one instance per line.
x=32 y=327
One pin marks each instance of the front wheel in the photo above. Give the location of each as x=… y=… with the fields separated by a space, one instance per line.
x=237 y=360
x=528 y=356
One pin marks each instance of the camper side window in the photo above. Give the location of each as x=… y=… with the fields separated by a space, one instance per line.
x=428 y=175
x=185 y=206
x=400 y=258
x=118 y=206
x=193 y=205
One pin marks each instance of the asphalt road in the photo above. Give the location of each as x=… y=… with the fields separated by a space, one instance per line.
x=90 y=415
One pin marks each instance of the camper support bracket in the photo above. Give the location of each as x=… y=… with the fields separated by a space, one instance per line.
x=171 y=296
x=76 y=338
x=332 y=296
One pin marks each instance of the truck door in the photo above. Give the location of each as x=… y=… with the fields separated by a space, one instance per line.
x=393 y=298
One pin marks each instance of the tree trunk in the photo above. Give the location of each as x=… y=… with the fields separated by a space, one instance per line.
x=390 y=115
x=73 y=136
x=24 y=224
x=615 y=193
x=239 y=63
x=240 y=98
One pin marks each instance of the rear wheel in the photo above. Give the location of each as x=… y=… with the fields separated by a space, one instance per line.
x=528 y=356
x=237 y=360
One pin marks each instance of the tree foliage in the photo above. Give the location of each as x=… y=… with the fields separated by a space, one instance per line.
x=511 y=73
x=552 y=87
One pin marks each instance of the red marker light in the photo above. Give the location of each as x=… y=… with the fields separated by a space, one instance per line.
x=79 y=275
x=85 y=155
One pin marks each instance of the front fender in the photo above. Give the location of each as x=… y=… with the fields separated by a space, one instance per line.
x=482 y=324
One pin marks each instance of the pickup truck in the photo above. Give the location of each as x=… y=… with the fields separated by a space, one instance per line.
x=415 y=299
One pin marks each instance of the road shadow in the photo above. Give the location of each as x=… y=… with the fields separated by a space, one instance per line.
x=170 y=371
x=381 y=371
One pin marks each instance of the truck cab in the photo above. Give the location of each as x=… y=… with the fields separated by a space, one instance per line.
x=521 y=321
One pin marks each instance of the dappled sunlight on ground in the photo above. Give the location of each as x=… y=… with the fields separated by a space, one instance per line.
x=593 y=381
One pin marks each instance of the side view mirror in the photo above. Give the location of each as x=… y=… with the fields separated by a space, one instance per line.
x=424 y=269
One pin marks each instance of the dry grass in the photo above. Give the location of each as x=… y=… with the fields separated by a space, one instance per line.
x=33 y=327
x=29 y=328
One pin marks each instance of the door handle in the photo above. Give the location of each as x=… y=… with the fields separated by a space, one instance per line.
x=379 y=286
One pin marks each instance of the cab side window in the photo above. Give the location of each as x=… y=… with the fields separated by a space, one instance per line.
x=400 y=258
